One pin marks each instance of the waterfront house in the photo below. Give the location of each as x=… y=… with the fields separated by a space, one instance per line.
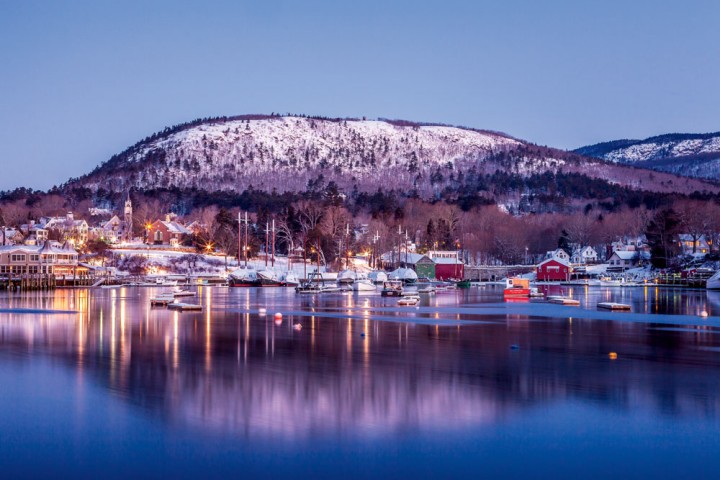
x=584 y=255
x=48 y=258
x=558 y=253
x=623 y=259
x=554 y=270
x=422 y=264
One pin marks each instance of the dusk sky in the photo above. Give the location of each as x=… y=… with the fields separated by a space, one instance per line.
x=81 y=81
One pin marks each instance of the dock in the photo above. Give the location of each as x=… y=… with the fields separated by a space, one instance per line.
x=564 y=301
x=161 y=301
x=613 y=306
x=184 y=307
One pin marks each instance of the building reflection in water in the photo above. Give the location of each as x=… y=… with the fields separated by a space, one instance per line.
x=229 y=369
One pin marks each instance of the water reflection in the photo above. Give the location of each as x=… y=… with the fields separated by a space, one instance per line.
x=228 y=369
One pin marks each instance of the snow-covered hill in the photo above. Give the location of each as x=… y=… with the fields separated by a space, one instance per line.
x=696 y=155
x=235 y=154
x=300 y=154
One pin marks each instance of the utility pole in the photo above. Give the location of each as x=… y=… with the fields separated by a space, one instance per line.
x=273 y=243
x=267 y=234
x=246 y=239
x=347 y=245
x=240 y=243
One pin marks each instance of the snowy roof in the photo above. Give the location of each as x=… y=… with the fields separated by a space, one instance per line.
x=686 y=237
x=47 y=247
x=108 y=225
x=174 y=227
x=412 y=258
x=447 y=261
x=559 y=260
x=626 y=255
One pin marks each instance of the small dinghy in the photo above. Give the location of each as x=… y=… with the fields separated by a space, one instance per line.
x=408 y=300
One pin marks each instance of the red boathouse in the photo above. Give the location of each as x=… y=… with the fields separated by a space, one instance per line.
x=553 y=270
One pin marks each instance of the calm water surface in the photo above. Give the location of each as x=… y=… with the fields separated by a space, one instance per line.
x=117 y=388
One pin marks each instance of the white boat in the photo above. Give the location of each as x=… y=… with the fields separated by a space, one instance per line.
x=346 y=277
x=610 y=282
x=408 y=300
x=290 y=280
x=426 y=289
x=315 y=284
x=713 y=283
x=364 y=285
x=269 y=278
x=377 y=277
x=392 y=288
x=406 y=275
x=244 y=277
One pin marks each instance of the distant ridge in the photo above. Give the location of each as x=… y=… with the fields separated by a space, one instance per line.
x=687 y=154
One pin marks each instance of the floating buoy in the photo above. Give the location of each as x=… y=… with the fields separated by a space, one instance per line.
x=612 y=355
x=703 y=314
x=297 y=326
x=262 y=311
x=278 y=315
x=514 y=347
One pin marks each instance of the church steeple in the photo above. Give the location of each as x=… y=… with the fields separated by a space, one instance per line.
x=128 y=219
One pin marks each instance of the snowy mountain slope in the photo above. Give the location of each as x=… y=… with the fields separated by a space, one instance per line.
x=297 y=154
x=239 y=153
x=696 y=155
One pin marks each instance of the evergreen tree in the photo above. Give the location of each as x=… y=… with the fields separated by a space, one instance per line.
x=661 y=232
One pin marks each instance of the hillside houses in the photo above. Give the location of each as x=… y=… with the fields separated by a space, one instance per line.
x=72 y=229
x=622 y=260
x=692 y=244
x=167 y=232
x=558 y=253
x=584 y=255
x=109 y=231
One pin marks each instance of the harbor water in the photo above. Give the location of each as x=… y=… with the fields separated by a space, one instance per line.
x=97 y=383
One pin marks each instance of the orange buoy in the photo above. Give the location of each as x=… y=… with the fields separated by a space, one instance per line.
x=612 y=355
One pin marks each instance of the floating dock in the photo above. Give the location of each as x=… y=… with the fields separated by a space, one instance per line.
x=162 y=301
x=184 y=307
x=184 y=293
x=613 y=306
x=564 y=301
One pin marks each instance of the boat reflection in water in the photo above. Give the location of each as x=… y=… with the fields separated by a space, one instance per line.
x=361 y=367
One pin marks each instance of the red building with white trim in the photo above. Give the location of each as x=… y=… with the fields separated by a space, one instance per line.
x=553 y=270
x=448 y=265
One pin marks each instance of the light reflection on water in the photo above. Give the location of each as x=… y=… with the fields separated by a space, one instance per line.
x=363 y=368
